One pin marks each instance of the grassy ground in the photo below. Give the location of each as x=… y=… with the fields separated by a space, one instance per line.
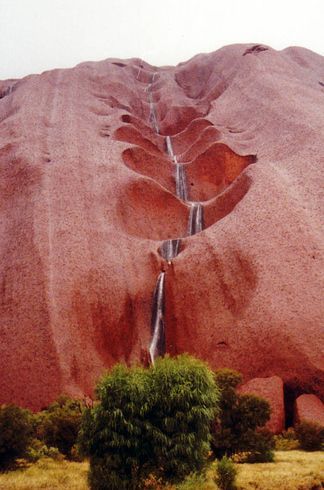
x=292 y=470
x=47 y=474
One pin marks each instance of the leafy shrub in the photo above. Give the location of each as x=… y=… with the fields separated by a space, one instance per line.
x=38 y=450
x=286 y=441
x=150 y=423
x=236 y=429
x=16 y=431
x=261 y=445
x=58 y=426
x=226 y=473
x=193 y=482
x=310 y=436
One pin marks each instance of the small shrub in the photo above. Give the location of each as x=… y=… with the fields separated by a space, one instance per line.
x=37 y=450
x=226 y=473
x=16 y=431
x=58 y=426
x=237 y=428
x=310 y=436
x=193 y=482
x=261 y=444
x=150 y=425
x=286 y=441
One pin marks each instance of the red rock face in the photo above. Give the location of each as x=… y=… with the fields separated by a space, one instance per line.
x=309 y=408
x=87 y=196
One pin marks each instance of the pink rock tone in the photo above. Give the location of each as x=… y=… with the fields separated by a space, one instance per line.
x=272 y=390
x=88 y=195
x=309 y=408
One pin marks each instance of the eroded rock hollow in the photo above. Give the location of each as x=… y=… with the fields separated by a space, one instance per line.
x=210 y=172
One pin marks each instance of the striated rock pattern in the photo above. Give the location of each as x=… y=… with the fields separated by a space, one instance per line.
x=90 y=191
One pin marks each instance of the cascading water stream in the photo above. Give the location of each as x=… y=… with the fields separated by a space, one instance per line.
x=181 y=184
x=196 y=218
x=169 y=248
x=157 y=346
x=152 y=115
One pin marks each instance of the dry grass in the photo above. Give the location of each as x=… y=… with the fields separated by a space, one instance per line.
x=48 y=474
x=292 y=470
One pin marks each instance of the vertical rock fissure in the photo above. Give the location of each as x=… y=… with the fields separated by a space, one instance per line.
x=152 y=115
x=157 y=345
x=169 y=248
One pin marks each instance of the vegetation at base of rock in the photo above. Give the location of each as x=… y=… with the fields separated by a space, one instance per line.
x=151 y=421
x=59 y=424
x=226 y=473
x=16 y=431
x=297 y=469
x=310 y=436
x=287 y=440
x=239 y=427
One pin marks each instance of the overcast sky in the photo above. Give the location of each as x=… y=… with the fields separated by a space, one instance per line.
x=37 y=35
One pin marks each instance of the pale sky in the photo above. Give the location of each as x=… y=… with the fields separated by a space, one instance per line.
x=38 y=35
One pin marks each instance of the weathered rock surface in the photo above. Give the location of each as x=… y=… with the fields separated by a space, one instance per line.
x=309 y=408
x=87 y=197
x=272 y=390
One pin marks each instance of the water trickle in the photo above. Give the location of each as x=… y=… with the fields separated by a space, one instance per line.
x=157 y=346
x=196 y=218
x=152 y=115
x=170 y=249
x=181 y=184
x=153 y=118
x=170 y=149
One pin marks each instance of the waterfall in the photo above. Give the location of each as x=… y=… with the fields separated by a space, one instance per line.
x=157 y=346
x=170 y=149
x=170 y=249
x=153 y=118
x=152 y=115
x=181 y=184
x=196 y=218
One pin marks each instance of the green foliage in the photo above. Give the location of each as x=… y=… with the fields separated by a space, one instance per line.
x=286 y=441
x=37 y=450
x=310 y=436
x=150 y=423
x=237 y=428
x=226 y=473
x=193 y=482
x=261 y=446
x=184 y=401
x=59 y=424
x=16 y=431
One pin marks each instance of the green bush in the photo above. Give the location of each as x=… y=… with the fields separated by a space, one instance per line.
x=261 y=446
x=37 y=450
x=237 y=428
x=16 y=431
x=226 y=473
x=58 y=426
x=150 y=423
x=310 y=436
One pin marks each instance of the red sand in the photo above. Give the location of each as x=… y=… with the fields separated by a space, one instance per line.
x=86 y=198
